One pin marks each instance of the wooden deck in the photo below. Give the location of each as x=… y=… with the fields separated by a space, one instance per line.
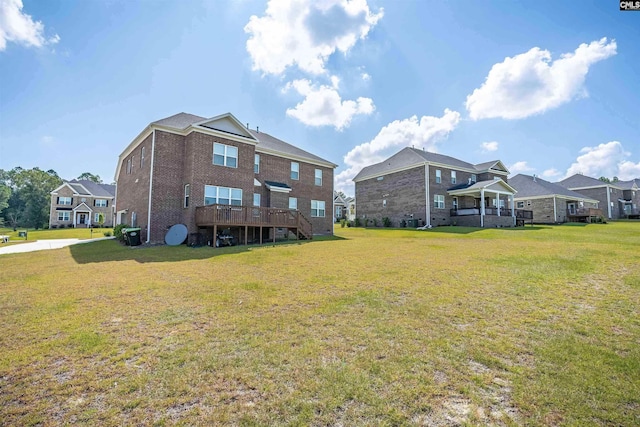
x=249 y=216
x=584 y=215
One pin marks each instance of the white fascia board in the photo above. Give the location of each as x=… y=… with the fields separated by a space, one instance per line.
x=278 y=189
x=391 y=171
x=136 y=141
x=224 y=116
x=604 y=184
x=288 y=156
x=55 y=192
x=86 y=207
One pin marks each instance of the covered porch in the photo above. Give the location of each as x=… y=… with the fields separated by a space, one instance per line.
x=485 y=204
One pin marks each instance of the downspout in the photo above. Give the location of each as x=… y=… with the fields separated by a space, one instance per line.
x=51 y=209
x=482 y=208
x=608 y=201
x=426 y=194
x=153 y=152
x=555 y=214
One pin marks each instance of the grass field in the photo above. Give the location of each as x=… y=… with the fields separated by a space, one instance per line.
x=451 y=326
x=57 y=233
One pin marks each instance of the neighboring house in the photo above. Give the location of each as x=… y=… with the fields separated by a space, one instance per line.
x=215 y=175
x=351 y=208
x=339 y=206
x=429 y=189
x=82 y=204
x=630 y=198
x=608 y=194
x=552 y=203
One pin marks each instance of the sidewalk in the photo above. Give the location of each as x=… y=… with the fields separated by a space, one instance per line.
x=40 y=245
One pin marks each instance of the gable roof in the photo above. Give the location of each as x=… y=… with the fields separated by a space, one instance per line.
x=85 y=187
x=179 y=121
x=633 y=184
x=272 y=145
x=529 y=187
x=582 y=181
x=409 y=157
x=482 y=185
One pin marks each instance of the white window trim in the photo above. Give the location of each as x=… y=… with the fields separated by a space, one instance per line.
x=68 y=216
x=297 y=171
x=454 y=177
x=295 y=200
x=437 y=199
x=259 y=200
x=438 y=176
x=60 y=200
x=256 y=163
x=318 y=177
x=318 y=209
x=101 y=205
x=225 y=156
x=187 y=195
x=217 y=195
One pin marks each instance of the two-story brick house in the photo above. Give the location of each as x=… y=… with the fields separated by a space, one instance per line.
x=606 y=193
x=419 y=188
x=214 y=174
x=82 y=203
x=630 y=203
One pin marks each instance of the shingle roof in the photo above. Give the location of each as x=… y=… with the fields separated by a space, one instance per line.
x=579 y=181
x=276 y=184
x=95 y=189
x=528 y=186
x=408 y=157
x=628 y=185
x=179 y=121
x=272 y=143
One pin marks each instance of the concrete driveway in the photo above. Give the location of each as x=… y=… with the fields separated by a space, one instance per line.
x=40 y=245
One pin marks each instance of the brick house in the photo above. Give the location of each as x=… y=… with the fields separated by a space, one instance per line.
x=82 y=204
x=552 y=203
x=607 y=194
x=215 y=175
x=418 y=188
x=630 y=198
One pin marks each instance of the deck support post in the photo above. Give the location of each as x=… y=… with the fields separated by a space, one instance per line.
x=215 y=235
x=246 y=232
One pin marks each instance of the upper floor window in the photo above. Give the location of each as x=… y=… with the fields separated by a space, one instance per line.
x=187 y=194
x=225 y=155
x=474 y=178
x=128 y=166
x=256 y=163
x=141 y=157
x=100 y=203
x=64 y=200
x=222 y=195
x=293 y=203
x=318 y=177
x=454 y=178
x=295 y=170
x=438 y=201
x=317 y=208
x=256 y=199
x=438 y=176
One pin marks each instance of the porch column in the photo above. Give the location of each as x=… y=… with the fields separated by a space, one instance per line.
x=512 y=204
x=482 y=208
x=498 y=203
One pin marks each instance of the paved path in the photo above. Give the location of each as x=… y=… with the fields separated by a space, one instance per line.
x=40 y=245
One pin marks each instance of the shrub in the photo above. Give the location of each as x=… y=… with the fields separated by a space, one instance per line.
x=357 y=222
x=375 y=222
x=343 y=222
x=349 y=224
x=107 y=234
x=386 y=222
x=403 y=223
x=45 y=227
x=117 y=231
x=54 y=226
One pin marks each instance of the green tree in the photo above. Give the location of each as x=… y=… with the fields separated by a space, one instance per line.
x=604 y=179
x=90 y=177
x=28 y=203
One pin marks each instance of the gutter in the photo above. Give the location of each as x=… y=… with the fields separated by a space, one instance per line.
x=153 y=152
x=426 y=194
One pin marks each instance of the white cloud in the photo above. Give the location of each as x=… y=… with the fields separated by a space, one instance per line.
x=323 y=106
x=530 y=83
x=609 y=160
x=520 y=167
x=306 y=33
x=489 y=146
x=424 y=133
x=18 y=27
x=365 y=76
x=551 y=174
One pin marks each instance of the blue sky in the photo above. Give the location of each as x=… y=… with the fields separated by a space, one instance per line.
x=547 y=87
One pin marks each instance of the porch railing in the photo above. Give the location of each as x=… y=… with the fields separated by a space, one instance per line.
x=210 y=215
x=520 y=213
x=584 y=212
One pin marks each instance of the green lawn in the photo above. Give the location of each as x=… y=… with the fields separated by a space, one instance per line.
x=451 y=326
x=57 y=233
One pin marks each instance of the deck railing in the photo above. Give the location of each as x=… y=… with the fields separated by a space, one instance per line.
x=584 y=212
x=520 y=213
x=210 y=215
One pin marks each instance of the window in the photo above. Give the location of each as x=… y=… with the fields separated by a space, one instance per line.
x=438 y=201
x=501 y=203
x=222 y=195
x=438 y=176
x=225 y=155
x=256 y=163
x=454 y=178
x=187 y=194
x=141 y=157
x=338 y=211
x=100 y=203
x=64 y=216
x=380 y=178
x=64 y=200
x=97 y=217
x=134 y=219
x=317 y=208
x=256 y=199
x=293 y=203
x=519 y=205
x=455 y=203
x=318 y=177
x=295 y=171
x=474 y=178
x=384 y=203
x=84 y=199
x=128 y=166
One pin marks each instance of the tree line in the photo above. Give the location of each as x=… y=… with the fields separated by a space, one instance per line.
x=25 y=195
